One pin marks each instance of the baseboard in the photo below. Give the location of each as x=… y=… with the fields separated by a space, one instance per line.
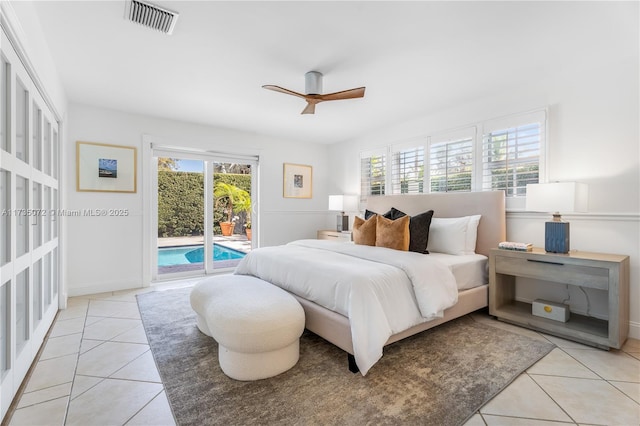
x=634 y=330
x=103 y=288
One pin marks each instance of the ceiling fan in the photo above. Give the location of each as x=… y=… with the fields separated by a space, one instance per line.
x=313 y=87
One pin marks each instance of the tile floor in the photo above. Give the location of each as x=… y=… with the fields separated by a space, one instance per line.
x=97 y=369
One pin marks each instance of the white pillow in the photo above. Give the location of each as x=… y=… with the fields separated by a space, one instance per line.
x=472 y=234
x=453 y=235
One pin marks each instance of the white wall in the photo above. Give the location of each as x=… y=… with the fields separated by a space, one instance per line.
x=106 y=253
x=593 y=138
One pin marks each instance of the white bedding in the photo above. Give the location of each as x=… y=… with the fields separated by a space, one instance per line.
x=470 y=270
x=381 y=291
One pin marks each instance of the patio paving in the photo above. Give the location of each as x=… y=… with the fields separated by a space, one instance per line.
x=236 y=241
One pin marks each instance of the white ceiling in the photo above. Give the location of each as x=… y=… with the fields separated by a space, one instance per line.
x=414 y=58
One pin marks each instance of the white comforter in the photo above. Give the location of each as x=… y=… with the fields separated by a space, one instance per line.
x=382 y=291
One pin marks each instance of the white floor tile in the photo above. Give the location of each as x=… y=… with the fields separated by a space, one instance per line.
x=566 y=344
x=82 y=384
x=515 y=421
x=50 y=413
x=106 y=359
x=524 y=398
x=558 y=363
x=142 y=368
x=109 y=328
x=632 y=390
x=88 y=344
x=46 y=394
x=111 y=402
x=66 y=327
x=52 y=372
x=591 y=401
x=117 y=382
x=135 y=335
x=156 y=413
x=476 y=420
x=113 y=309
x=610 y=365
x=78 y=311
x=631 y=345
x=60 y=346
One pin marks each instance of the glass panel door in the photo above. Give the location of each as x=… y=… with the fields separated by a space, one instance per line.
x=205 y=211
x=22 y=221
x=28 y=245
x=232 y=227
x=180 y=216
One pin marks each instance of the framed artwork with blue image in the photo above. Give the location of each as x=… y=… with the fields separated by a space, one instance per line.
x=105 y=168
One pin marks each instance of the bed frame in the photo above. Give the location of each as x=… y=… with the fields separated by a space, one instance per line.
x=335 y=328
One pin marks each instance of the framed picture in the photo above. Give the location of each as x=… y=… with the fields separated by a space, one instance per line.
x=105 y=168
x=297 y=181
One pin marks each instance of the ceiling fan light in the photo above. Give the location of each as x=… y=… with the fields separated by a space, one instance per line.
x=313 y=83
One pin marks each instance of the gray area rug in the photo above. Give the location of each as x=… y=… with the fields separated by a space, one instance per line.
x=439 y=377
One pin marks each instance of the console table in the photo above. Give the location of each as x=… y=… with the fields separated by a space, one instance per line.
x=608 y=273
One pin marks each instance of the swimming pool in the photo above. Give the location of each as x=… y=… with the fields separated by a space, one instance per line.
x=168 y=256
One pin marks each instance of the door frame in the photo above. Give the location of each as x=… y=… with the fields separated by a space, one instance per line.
x=151 y=145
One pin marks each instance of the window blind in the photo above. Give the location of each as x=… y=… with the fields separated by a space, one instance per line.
x=451 y=165
x=511 y=158
x=407 y=171
x=372 y=174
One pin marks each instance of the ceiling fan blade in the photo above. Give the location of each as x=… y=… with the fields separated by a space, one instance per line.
x=310 y=108
x=282 y=90
x=345 y=94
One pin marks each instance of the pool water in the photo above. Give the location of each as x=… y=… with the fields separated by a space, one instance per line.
x=169 y=256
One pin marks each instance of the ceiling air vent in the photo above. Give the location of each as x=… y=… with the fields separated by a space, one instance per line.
x=151 y=16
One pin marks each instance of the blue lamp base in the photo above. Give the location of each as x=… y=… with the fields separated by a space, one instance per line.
x=342 y=223
x=556 y=237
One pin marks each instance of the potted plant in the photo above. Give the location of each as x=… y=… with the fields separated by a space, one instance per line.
x=247 y=228
x=233 y=195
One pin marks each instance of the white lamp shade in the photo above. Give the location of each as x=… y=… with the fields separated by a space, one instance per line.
x=343 y=203
x=564 y=197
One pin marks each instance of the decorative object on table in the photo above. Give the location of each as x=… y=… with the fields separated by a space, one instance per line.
x=342 y=203
x=313 y=87
x=552 y=310
x=567 y=197
x=297 y=181
x=105 y=168
x=510 y=245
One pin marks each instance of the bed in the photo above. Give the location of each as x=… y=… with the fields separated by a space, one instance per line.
x=332 y=321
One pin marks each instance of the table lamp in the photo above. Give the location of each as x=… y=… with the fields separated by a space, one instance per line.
x=566 y=197
x=343 y=203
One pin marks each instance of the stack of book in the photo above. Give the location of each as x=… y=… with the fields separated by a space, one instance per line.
x=508 y=245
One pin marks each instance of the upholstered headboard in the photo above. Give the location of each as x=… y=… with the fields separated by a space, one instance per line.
x=490 y=204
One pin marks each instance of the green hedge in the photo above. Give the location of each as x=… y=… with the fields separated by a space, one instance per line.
x=181 y=202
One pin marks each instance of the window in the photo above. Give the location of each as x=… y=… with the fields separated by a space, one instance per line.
x=511 y=156
x=372 y=174
x=407 y=171
x=510 y=159
x=508 y=156
x=451 y=161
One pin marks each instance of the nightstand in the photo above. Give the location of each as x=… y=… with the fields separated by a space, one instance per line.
x=608 y=273
x=344 y=236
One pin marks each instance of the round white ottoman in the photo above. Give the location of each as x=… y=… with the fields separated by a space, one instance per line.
x=256 y=324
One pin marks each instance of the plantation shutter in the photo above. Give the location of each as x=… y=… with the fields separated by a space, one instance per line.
x=511 y=156
x=451 y=161
x=372 y=174
x=407 y=171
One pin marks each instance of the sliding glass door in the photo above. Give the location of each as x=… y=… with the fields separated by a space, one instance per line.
x=204 y=212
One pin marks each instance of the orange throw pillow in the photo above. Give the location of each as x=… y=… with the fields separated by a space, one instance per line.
x=393 y=234
x=364 y=231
